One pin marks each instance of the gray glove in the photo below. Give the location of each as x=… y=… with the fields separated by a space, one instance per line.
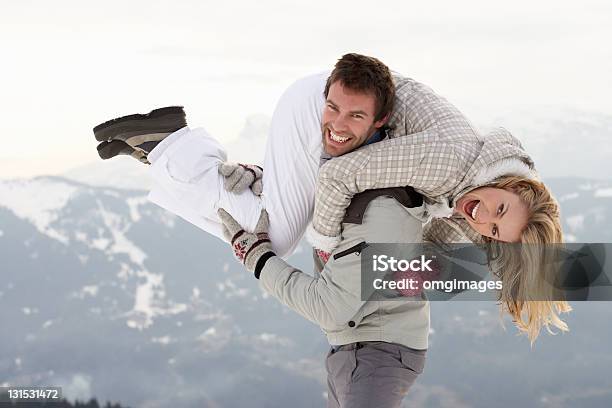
x=249 y=248
x=238 y=177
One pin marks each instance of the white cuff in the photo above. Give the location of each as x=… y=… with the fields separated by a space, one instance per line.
x=320 y=241
x=165 y=143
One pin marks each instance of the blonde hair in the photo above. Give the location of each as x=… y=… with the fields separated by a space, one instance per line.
x=527 y=271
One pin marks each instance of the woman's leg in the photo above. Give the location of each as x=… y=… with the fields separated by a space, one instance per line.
x=184 y=169
x=186 y=182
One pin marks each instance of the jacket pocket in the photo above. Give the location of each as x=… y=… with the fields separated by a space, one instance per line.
x=354 y=249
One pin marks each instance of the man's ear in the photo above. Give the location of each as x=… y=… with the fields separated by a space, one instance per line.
x=380 y=123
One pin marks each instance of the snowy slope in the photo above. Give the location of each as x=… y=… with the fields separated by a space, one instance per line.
x=147 y=306
x=106 y=275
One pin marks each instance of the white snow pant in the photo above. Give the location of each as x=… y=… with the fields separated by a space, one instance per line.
x=186 y=181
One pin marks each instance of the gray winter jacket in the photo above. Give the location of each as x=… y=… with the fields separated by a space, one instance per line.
x=433 y=148
x=333 y=300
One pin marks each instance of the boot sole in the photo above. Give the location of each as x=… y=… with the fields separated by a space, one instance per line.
x=162 y=120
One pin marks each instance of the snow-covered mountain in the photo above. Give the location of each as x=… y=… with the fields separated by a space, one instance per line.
x=563 y=142
x=107 y=295
x=121 y=173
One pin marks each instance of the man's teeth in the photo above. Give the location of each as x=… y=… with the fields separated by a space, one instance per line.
x=474 y=210
x=337 y=138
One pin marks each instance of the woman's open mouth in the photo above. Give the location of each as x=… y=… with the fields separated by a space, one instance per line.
x=471 y=208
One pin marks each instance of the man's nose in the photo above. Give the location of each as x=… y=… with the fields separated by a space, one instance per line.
x=340 y=123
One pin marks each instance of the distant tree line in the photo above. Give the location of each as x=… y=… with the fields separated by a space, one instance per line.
x=62 y=403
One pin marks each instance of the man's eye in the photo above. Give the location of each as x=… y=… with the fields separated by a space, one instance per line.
x=494 y=230
x=358 y=116
x=332 y=107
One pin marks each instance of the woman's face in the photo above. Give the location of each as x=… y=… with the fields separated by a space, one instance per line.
x=494 y=212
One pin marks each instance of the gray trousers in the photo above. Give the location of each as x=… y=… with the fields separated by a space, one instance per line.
x=371 y=374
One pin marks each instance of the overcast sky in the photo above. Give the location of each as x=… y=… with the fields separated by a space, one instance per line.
x=68 y=65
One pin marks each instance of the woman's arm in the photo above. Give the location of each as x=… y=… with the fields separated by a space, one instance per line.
x=432 y=147
x=431 y=168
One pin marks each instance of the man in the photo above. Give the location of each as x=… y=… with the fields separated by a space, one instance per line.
x=378 y=348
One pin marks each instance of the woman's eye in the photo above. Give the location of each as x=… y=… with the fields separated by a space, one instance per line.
x=500 y=209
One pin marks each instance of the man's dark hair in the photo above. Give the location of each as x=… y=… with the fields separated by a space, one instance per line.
x=368 y=75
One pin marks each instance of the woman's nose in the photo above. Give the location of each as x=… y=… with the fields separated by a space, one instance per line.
x=484 y=215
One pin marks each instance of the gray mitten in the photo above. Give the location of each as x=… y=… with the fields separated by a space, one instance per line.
x=248 y=247
x=238 y=177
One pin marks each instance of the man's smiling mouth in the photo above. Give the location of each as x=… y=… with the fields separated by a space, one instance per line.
x=338 y=139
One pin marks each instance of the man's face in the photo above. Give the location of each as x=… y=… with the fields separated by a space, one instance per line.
x=348 y=119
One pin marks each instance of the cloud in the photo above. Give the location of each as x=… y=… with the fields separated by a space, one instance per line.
x=77 y=387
